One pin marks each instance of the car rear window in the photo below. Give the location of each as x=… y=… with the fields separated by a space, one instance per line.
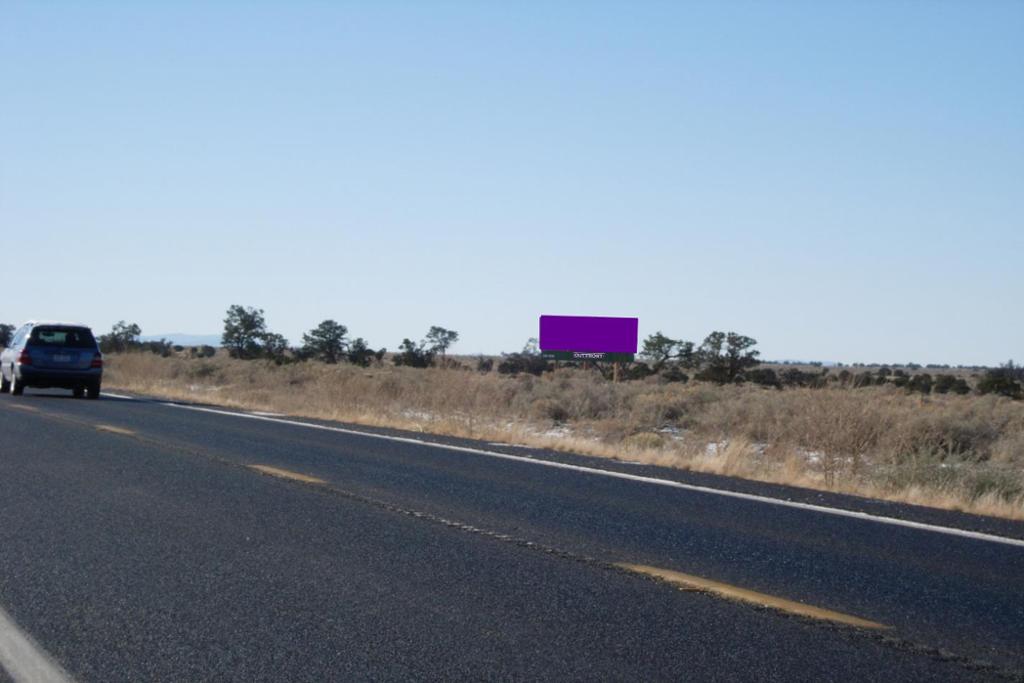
x=68 y=337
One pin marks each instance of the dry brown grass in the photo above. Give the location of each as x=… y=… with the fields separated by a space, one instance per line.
x=957 y=452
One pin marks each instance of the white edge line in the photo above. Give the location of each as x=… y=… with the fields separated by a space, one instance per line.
x=977 y=535
x=23 y=660
x=122 y=396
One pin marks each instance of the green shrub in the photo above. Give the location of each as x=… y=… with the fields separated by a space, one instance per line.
x=515 y=363
x=764 y=377
x=1001 y=381
x=674 y=373
x=795 y=377
x=161 y=348
x=945 y=384
x=546 y=408
x=645 y=441
x=864 y=379
x=920 y=384
x=205 y=351
x=360 y=353
x=202 y=370
x=413 y=355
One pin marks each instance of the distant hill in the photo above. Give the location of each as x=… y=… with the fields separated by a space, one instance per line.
x=184 y=339
x=790 y=361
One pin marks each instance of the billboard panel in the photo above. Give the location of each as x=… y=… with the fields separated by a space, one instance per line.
x=588 y=334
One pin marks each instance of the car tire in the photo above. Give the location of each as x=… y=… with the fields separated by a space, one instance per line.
x=5 y=386
x=78 y=392
x=92 y=392
x=17 y=388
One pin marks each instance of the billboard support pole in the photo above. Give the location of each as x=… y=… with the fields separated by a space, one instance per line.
x=615 y=371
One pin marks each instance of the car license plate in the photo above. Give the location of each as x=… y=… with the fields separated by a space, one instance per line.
x=61 y=358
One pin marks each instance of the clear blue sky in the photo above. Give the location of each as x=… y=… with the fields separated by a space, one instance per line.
x=842 y=181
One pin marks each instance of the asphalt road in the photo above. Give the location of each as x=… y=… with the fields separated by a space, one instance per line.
x=139 y=542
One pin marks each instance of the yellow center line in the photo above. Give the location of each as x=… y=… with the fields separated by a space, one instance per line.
x=286 y=474
x=115 y=430
x=697 y=583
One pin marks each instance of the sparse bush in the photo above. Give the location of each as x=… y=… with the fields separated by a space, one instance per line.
x=1008 y=449
x=795 y=377
x=122 y=337
x=514 y=363
x=984 y=481
x=275 y=348
x=202 y=370
x=1001 y=381
x=645 y=441
x=945 y=435
x=204 y=351
x=654 y=410
x=920 y=384
x=484 y=364
x=674 y=373
x=361 y=354
x=864 y=379
x=412 y=355
x=945 y=384
x=635 y=371
x=162 y=347
x=549 y=409
x=764 y=377
x=591 y=399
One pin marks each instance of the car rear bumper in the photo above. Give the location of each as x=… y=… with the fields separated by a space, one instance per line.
x=62 y=379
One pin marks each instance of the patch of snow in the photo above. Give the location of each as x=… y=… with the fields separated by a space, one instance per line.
x=557 y=432
x=418 y=415
x=813 y=456
x=715 y=448
x=673 y=433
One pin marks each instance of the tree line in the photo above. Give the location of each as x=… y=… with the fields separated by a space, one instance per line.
x=722 y=358
x=730 y=358
x=246 y=336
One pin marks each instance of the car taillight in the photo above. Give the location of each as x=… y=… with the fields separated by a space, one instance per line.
x=24 y=358
x=97 y=361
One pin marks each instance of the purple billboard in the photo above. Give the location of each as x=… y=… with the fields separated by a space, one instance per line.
x=586 y=334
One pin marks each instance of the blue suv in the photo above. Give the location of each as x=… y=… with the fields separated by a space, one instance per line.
x=52 y=354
